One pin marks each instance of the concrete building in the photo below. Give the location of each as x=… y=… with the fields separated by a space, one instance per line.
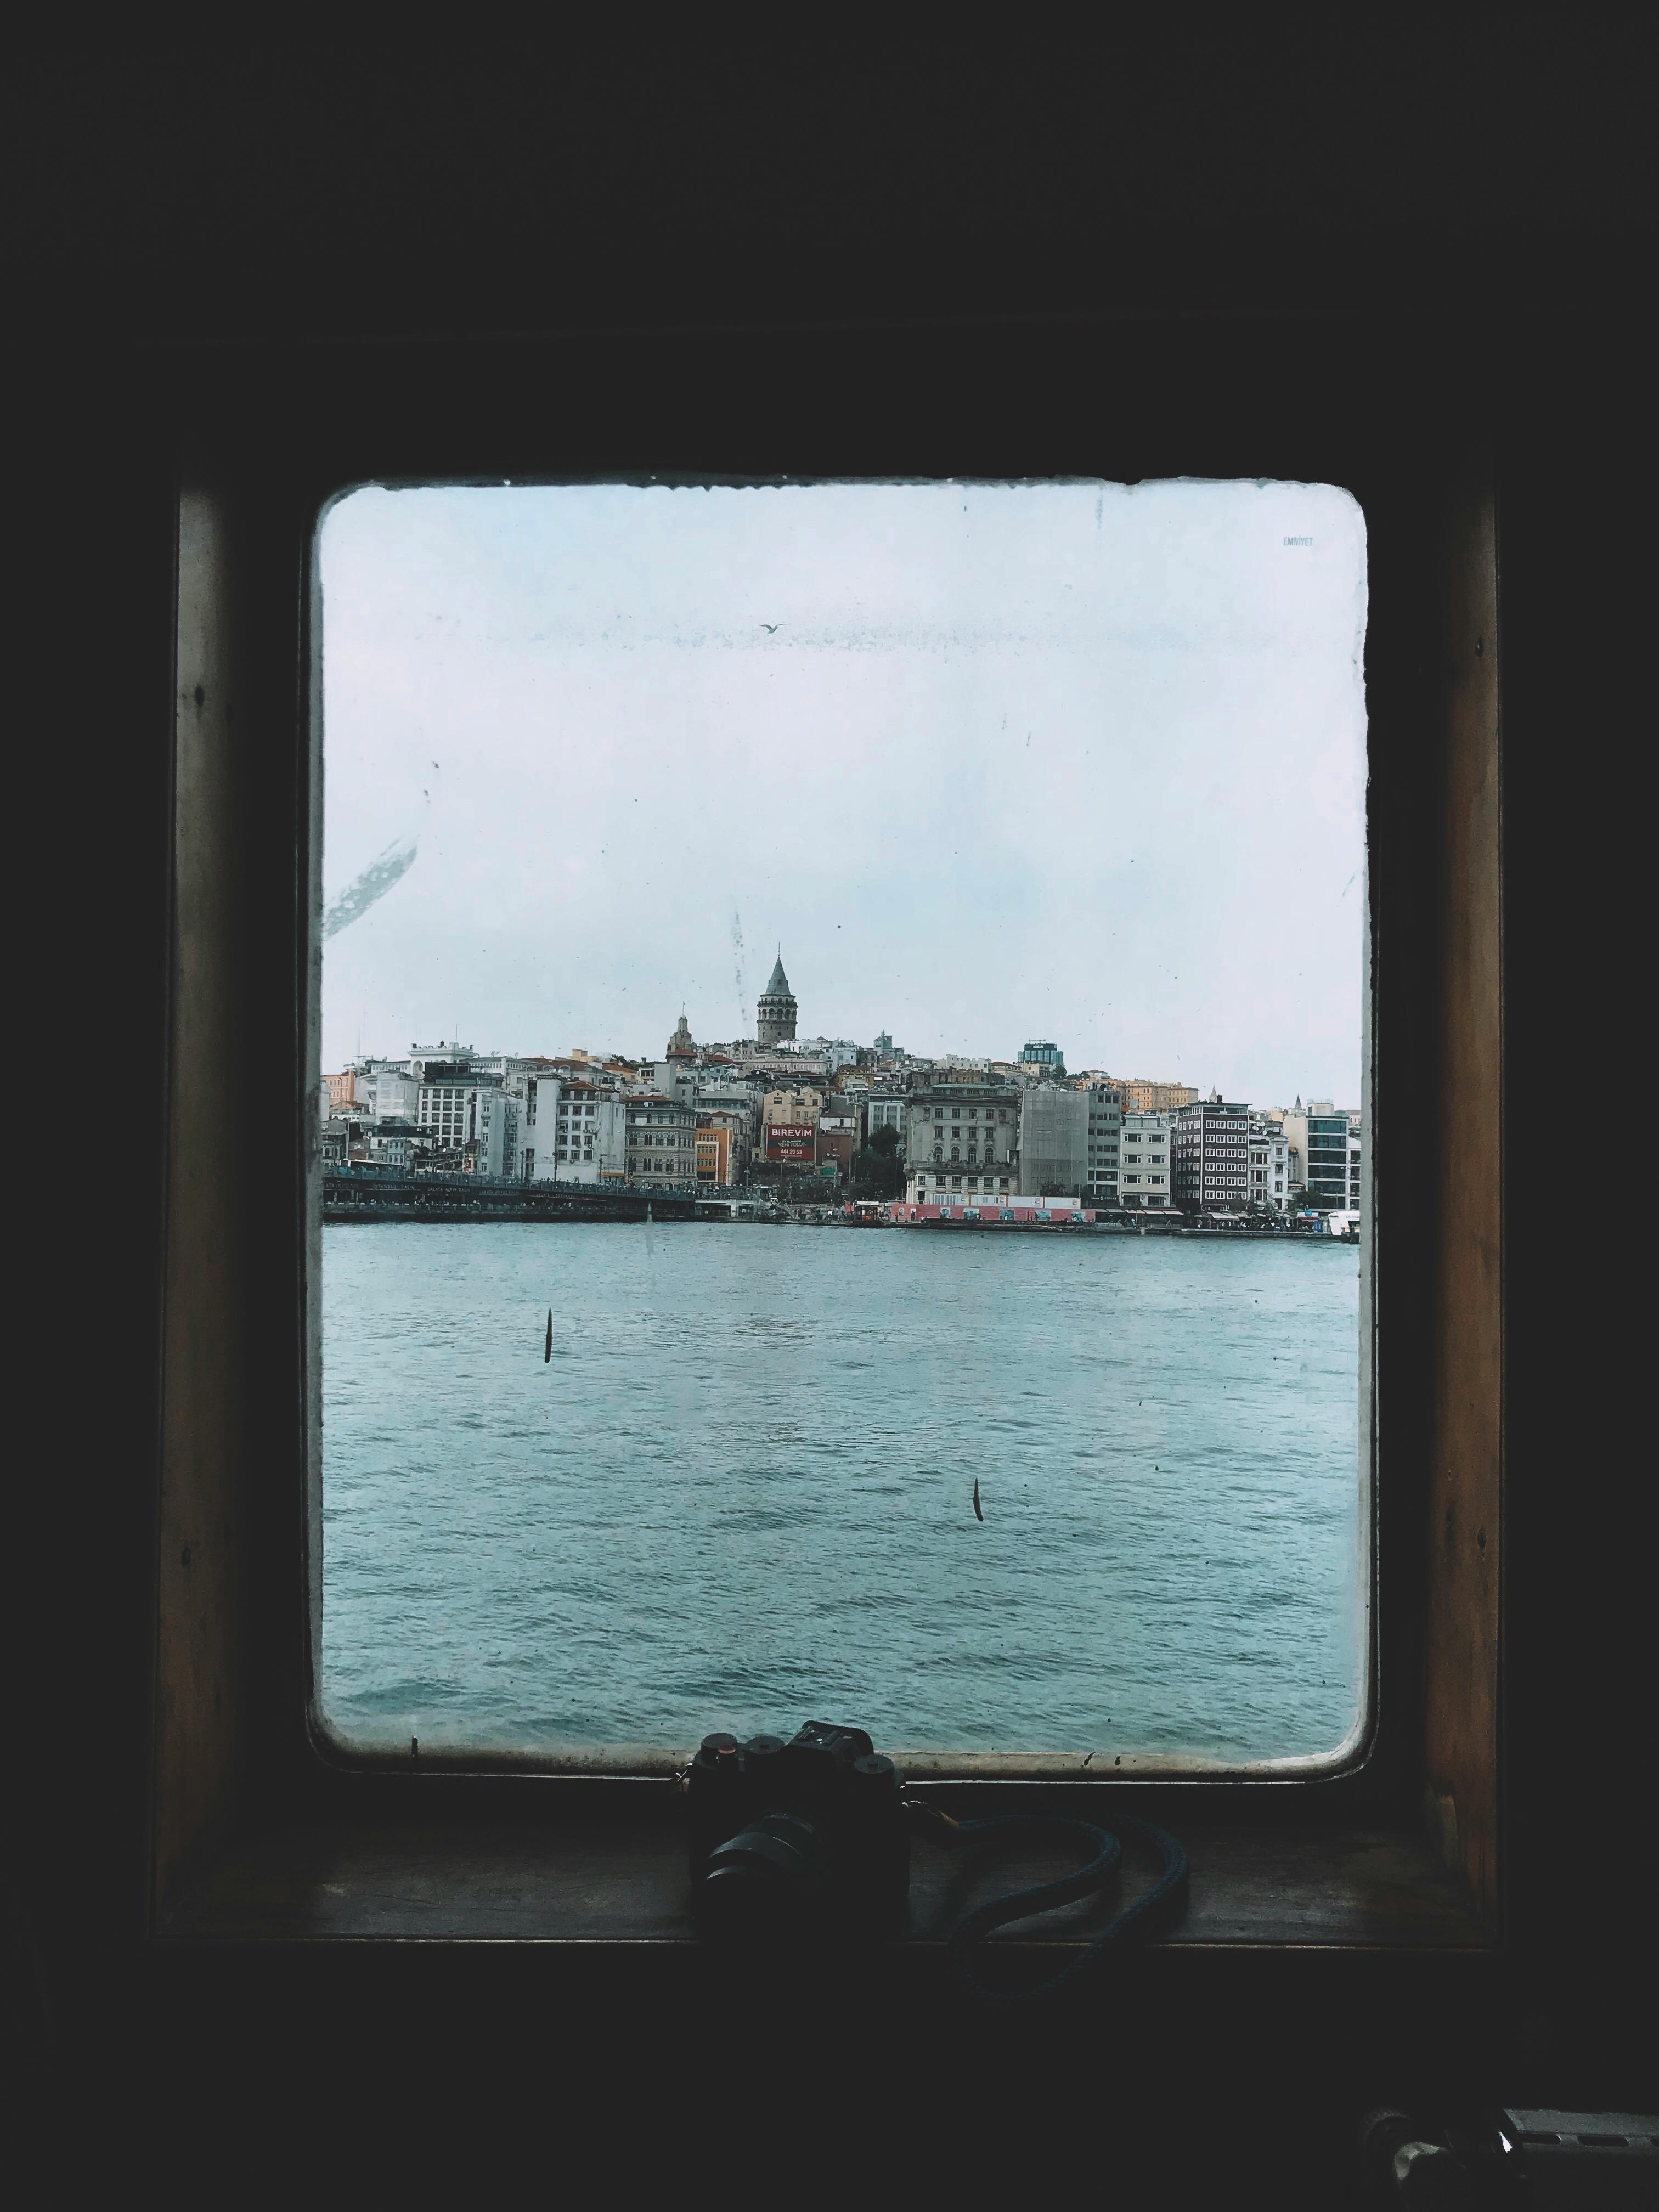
x=1053 y=1139
x=962 y=1137
x=1105 y=1133
x=1044 y=1058
x=884 y=1110
x=791 y=1102
x=585 y=1138
x=1326 y=1158
x=678 y=1079
x=422 y=1056
x=1210 y=1156
x=341 y=1089
x=662 y=1141
x=681 y=1045
x=837 y=1141
x=776 y=1010
x=1144 y=1175
x=465 y=1120
x=393 y=1144
x=391 y=1094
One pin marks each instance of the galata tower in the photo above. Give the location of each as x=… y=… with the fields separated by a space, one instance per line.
x=774 y=1016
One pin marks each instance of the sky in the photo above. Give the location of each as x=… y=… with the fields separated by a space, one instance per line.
x=987 y=763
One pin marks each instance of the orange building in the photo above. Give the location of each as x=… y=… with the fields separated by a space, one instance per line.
x=341 y=1089
x=714 y=1156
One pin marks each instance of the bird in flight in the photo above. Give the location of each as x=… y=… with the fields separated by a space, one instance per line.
x=768 y=628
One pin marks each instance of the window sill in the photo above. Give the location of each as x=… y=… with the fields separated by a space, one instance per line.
x=1341 y=1889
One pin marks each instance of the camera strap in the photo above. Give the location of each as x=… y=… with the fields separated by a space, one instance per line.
x=1146 y=1918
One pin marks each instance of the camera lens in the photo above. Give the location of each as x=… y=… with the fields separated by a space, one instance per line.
x=762 y=1883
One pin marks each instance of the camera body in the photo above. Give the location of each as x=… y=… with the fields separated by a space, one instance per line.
x=797 y=1839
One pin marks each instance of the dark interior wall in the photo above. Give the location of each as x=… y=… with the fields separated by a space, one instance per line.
x=1479 y=186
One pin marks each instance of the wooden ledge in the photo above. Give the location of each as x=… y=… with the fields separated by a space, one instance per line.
x=1344 y=1889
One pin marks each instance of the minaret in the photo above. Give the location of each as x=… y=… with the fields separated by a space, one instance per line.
x=774 y=1014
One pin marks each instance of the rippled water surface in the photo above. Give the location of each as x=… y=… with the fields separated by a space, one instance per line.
x=739 y=1494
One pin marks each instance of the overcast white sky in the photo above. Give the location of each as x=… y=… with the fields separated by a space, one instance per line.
x=990 y=761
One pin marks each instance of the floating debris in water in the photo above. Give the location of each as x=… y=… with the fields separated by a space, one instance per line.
x=547 y=1352
x=979 y=1510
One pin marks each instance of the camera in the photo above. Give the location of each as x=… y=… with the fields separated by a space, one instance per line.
x=799 y=1839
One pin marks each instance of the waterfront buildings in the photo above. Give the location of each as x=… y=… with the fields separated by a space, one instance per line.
x=1210 y=1156
x=1053 y=1139
x=969 y=1127
x=1143 y=1176
x=776 y=1010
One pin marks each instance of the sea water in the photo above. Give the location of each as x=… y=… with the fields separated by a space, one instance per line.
x=740 y=1492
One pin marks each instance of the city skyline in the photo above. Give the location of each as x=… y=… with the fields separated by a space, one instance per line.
x=988 y=761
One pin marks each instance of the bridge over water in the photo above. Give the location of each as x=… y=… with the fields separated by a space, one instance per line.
x=377 y=1196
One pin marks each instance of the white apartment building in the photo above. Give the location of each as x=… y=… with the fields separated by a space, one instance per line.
x=1144 y=1169
x=1269 y=1164
x=570 y=1130
x=390 y=1094
x=461 y=1112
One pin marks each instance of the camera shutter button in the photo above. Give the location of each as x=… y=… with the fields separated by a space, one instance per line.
x=876 y=1774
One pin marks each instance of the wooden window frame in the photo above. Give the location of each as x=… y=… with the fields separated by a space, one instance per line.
x=249 y=1816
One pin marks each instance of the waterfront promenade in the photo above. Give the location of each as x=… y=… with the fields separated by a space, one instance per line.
x=376 y=1196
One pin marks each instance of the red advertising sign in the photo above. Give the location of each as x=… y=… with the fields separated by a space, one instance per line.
x=792 y=1141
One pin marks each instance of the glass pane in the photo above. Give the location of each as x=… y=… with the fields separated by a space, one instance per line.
x=760 y=831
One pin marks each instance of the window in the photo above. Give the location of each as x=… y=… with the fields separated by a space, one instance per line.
x=498 y=553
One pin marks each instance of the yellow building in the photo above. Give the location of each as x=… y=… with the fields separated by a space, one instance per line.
x=1140 y=1096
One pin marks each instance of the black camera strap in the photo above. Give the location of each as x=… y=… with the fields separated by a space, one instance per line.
x=1146 y=1918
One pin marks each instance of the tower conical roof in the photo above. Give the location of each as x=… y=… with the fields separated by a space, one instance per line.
x=780 y=982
